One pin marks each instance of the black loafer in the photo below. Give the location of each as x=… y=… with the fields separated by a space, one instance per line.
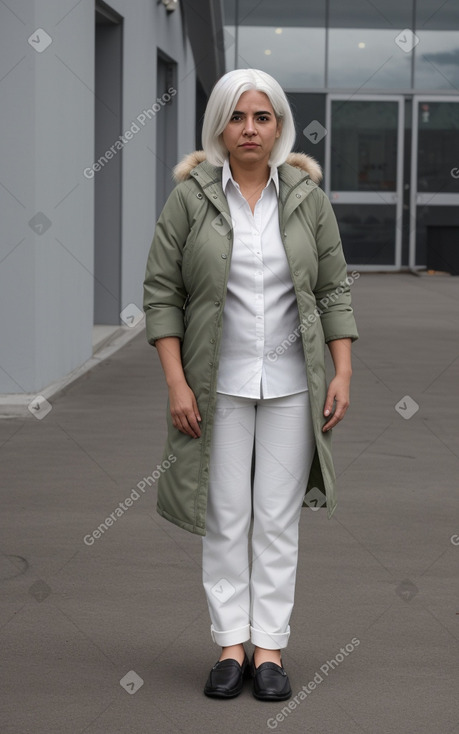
x=270 y=682
x=226 y=678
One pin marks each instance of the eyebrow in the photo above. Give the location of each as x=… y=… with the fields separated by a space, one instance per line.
x=260 y=112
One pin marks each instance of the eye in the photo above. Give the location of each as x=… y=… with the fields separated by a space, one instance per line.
x=263 y=118
x=235 y=118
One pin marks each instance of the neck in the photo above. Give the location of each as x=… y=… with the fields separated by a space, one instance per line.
x=250 y=175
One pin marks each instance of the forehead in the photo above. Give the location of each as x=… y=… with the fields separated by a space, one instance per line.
x=254 y=99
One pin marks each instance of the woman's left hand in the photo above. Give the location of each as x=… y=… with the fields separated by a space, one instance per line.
x=338 y=392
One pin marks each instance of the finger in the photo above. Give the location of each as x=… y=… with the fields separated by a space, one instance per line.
x=180 y=422
x=187 y=429
x=196 y=409
x=194 y=417
x=328 y=407
x=193 y=424
x=187 y=423
x=337 y=416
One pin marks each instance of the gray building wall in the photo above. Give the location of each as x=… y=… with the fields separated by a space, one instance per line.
x=46 y=201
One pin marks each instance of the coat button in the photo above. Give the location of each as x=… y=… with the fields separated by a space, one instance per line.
x=212 y=341
x=211 y=364
x=296 y=272
x=298 y=196
x=199 y=195
x=216 y=303
x=214 y=196
x=224 y=255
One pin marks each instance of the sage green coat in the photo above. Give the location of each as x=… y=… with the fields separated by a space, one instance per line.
x=184 y=296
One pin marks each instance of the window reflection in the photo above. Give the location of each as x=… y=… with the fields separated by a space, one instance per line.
x=367 y=58
x=367 y=233
x=438 y=146
x=229 y=36
x=393 y=14
x=364 y=146
x=293 y=56
x=437 y=60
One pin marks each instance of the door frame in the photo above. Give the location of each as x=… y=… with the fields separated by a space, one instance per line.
x=371 y=197
x=416 y=199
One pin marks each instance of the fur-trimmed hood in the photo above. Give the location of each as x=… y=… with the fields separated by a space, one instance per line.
x=301 y=161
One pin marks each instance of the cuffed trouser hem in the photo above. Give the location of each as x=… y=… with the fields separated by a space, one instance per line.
x=270 y=641
x=231 y=637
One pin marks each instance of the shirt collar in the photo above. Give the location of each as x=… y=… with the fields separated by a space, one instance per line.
x=228 y=176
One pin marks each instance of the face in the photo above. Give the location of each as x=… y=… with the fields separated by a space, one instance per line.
x=252 y=130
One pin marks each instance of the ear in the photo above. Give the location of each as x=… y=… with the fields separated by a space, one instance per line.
x=279 y=129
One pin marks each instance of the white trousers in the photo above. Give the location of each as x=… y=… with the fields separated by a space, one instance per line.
x=249 y=579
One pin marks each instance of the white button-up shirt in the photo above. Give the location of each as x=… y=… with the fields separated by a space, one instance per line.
x=260 y=309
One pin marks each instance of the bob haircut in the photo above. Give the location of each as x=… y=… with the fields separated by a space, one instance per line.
x=222 y=103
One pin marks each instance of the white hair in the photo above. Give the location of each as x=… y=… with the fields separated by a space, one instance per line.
x=222 y=103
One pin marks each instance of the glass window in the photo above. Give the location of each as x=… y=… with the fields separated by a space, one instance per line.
x=292 y=13
x=394 y=15
x=437 y=53
x=364 y=145
x=437 y=60
x=293 y=56
x=367 y=233
x=437 y=15
x=438 y=147
x=307 y=109
x=437 y=235
x=366 y=49
x=285 y=39
x=229 y=44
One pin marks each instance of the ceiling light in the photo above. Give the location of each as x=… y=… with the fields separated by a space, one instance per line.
x=170 y=5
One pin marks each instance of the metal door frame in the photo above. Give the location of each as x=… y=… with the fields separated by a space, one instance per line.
x=416 y=199
x=371 y=197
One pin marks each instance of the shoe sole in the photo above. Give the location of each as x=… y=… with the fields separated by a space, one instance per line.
x=273 y=697
x=217 y=694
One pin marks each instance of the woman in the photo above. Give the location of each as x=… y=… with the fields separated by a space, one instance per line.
x=246 y=281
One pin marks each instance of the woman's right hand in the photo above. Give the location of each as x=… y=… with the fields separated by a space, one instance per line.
x=184 y=409
x=182 y=402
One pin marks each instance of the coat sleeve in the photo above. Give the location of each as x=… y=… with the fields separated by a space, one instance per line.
x=164 y=291
x=332 y=288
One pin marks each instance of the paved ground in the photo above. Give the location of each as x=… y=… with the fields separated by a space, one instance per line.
x=379 y=580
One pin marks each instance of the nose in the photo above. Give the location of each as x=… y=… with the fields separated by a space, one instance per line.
x=249 y=127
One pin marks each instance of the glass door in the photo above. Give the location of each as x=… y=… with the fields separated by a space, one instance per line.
x=364 y=177
x=434 y=200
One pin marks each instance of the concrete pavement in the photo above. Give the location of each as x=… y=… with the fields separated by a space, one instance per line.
x=375 y=631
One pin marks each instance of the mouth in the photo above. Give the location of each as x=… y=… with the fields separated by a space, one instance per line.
x=249 y=145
